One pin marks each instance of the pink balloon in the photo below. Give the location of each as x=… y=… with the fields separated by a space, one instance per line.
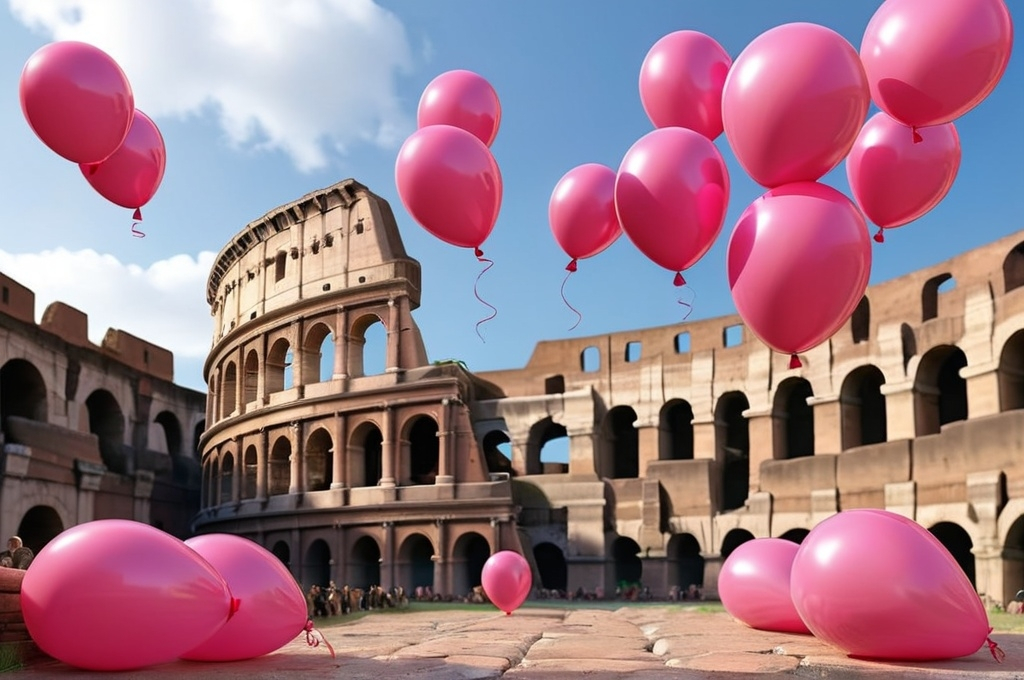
x=793 y=103
x=450 y=183
x=754 y=585
x=671 y=195
x=463 y=99
x=931 y=62
x=895 y=180
x=273 y=608
x=112 y=595
x=77 y=100
x=681 y=82
x=877 y=585
x=582 y=211
x=507 y=580
x=131 y=176
x=799 y=261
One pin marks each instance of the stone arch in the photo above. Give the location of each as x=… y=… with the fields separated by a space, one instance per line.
x=319 y=460
x=22 y=393
x=1013 y=268
x=316 y=565
x=675 y=431
x=469 y=555
x=414 y=563
x=796 y=535
x=1012 y=535
x=959 y=544
x=732 y=449
x=315 y=368
x=940 y=393
x=359 y=363
x=228 y=390
x=420 y=452
x=554 y=573
x=930 y=295
x=283 y=552
x=541 y=433
x=208 y=496
x=39 y=525
x=279 y=467
x=621 y=443
x=629 y=568
x=1011 y=372
x=793 y=419
x=590 y=359
x=365 y=454
x=226 y=475
x=862 y=407
x=497 y=448
x=860 y=321
x=251 y=377
x=278 y=359
x=686 y=564
x=170 y=428
x=106 y=421
x=250 y=468
x=363 y=569
x=734 y=539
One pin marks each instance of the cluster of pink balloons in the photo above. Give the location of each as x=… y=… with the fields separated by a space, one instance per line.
x=869 y=582
x=79 y=102
x=507 y=580
x=113 y=595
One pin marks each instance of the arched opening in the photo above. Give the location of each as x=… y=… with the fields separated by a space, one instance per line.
x=958 y=542
x=1013 y=268
x=554 y=574
x=319 y=455
x=415 y=563
x=251 y=377
x=469 y=556
x=227 y=476
x=547 y=449
x=554 y=384
x=278 y=358
x=107 y=422
x=498 y=452
x=1011 y=373
x=675 y=431
x=40 y=525
x=732 y=449
x=364 y=563
x=197 y=434
x=171 y=431
x=249 y=464
x=424 y=450
x=930 y=295
x=590 y=360
x=316 y=567
x=22 y=394
x=365 y=455
x=228 y=390
x=279 y=471
x=686 y=564
x=367 y=347
x=793 y=420
x=908 y=344
x=314 y=367
x=860 y=321
x=622 y=442
x=795 y=535
x=282 y=552
x=862 y=407
x=629 y=569
x=1013 y=561
x=734 y=539
x=940 y=394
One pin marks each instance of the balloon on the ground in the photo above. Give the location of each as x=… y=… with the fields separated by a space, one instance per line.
x=878 y=585
x=272 y=609
x=464 y=99
x=931 y=62
x=793 y=103
x=131 y=176
x=581 y=211
x=113 y=595
x=77 y=100
x=681 y=82
x=754 y=585
x=506 y=579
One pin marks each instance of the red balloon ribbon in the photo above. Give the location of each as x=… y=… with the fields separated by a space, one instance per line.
x=997 y=653
x=571 y=267
x=313 y=640
x=136 y=232
x=490 y=263
x=879 y=236
x=794 y=361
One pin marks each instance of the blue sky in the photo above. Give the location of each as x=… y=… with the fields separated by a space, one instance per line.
x=260 y=107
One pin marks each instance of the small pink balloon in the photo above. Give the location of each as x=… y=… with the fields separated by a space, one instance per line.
x=793 y=103
x=114 y=595
x=506 y=580
x=131 y=176
x=798 y=262
x=581 y=211
x=754 y=585
x=77 y=100
x=896 y=180
x=463 y=99
x=681 y=82
x=450 y=184
x=671 y=195
x=272 y=608
x=877 y=585
x=929 y=62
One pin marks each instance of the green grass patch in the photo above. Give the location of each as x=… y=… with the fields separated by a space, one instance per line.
x=1002 y=622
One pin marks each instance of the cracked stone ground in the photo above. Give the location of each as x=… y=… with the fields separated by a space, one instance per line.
x=538 y=643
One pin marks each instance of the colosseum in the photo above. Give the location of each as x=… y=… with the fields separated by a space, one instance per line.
x=683 y=441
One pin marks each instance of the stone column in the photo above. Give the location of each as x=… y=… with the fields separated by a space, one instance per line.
x=261 y=380
x=387 y=463
x=647 y=443
x=141 y=495
x=262 y=464
x=581 y=451
x=899 y=410
x=983 y=397
x=87 y=475
x=341 y=345
x=299 y=377
x=338 y=471
x=441 y=563
x=704 y=438
x=760 y=434
x=393 y=332
x=237 y=471
x=444 y=444
x=389 y=556
x=828 y=423
x=496 y=533
x=240 y=381
x=295 y=481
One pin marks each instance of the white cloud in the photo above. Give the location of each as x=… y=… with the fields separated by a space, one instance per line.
x=164 y=304
x=302 y=76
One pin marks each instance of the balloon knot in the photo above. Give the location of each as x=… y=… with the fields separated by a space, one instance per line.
x=235 y=604
x=571 y=267
x=135 y=231
x=510 y=614
x=879 y=236
x=93 y=167
x=794 y=361
x=315 y=637
x=997 y=653
x=917 y=135
x=137 y=215
x=679 y=280
x=479 y=253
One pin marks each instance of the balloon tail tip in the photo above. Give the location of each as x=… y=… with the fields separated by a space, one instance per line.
x=880 y=236
x=571 y=267
x=794 y=361
x=137 y=215
x=679 y=280
x=917 y=136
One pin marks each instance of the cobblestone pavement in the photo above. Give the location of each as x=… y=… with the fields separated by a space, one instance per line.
x=638 y=643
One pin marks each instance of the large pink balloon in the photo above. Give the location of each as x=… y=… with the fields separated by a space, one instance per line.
x=681 y=82
x=131 y=176
x=896 y=180
x=507 y=580
x=273 y=609
x=799 y=261
x=754 y=585
x=463 y=99
x=931 y=62
x=581 y=211
x=793 y=103
x=112 y=595
x=77 y=100
x=878 y=585
x=450 y=183
x=671 y=195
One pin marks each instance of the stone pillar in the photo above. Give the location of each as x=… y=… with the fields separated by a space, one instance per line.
x=761 y=435
x=338 y=470
x=444 y=444
x=387 y=463
x=295 y=481
x=262 y=465
x=582 y=451
x=982 y=389
x=648 y=438
x=388 y=570
x=985 y=496
x=88 y=477
x=341 y=345
x=442 y=583
x=393 y=333
x=237 y=471
x=299 y=376
x=141 y=495
x=899 y=410
x=240 y=381
x=828 y=423
x=261 y=381
x=496 y=533
x=520 y=442
x=704 y=438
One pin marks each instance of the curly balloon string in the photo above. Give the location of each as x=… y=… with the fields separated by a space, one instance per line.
x=490 y=263
x=880 y=236
x=687 y=304
x=571 y=267
x=794 y=361
x=135 y=231
x=315 y=637
x=997 y=653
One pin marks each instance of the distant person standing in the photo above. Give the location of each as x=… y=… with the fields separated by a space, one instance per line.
x=17 y=555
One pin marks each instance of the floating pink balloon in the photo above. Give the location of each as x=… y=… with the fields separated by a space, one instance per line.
x=463 y=99
x=798 y=262
x=450 y=183
x=77 y=100
x=272 y=609
x=877 y=585
x=581 y=211
x=793 y=103
x=507 y=580
x=896 y=180
x=681 y=82
x=931 y=62
x=131 y=176
x=114 y=595
x=754 y=585
x=671 y=195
